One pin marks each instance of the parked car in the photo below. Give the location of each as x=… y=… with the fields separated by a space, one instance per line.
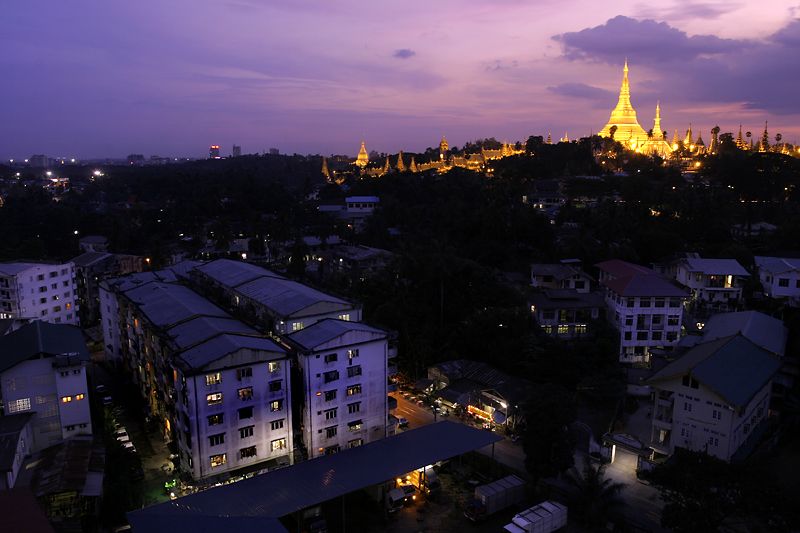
x=402 y=422
x=129 y=446
x=108 y=401
x=410 y=492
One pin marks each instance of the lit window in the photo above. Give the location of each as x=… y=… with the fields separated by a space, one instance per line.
x=66 y=399
x=275 y=405
x=352 y=354
x=79 y=397
x=354 y=426
x=218 y=460
x=214 y=420
x=355 y=443
x=353 y=390
x=297 y=326
x=250 y=451
x=23 y=404
x=246 y=393
x=274 y=366
x=279 y=444
x=215 y=398
x=213 y=379
x=345 y=316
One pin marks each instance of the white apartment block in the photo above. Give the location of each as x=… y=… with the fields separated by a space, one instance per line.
x=715 y=283
x=43 y=371
x=645 y=307
x=344 y=368
x=234 y=406
x=276 y=303
x=39 y=291
x=713 y=399
x=779 y=276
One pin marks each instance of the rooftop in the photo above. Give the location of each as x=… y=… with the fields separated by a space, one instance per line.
x=715 y=266
x=777 y=265
x=286 y=297
x=41 y=338
x=326 y=330
x=218 y=347
x=732 y=367
x=166 y=304
x=619 y=268
x=90 y=258
x=234 y=273
x=645 y=284
x=198 y=329
x=566 y=299
x=760 y=329
x=284 y=491
x=12 y=269
x=557 y=270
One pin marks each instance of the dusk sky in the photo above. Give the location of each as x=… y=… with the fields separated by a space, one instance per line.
x=104 y=79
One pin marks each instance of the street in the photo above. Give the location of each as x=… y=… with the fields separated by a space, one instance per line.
x=506 y=452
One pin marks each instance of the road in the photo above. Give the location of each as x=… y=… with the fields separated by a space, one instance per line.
x=505 y=452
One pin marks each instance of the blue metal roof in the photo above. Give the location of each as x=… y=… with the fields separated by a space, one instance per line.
x=327 y=330
x=282 y=492
x=285 y=297
x=233 y=273
x=220 y=346
x=166 y=304
x=189 y=333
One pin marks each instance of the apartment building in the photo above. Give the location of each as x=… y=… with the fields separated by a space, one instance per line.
x=713 y=399
x=716 y=284
x=268 y=299
x=645 y=307
x=39 y=291
x=43 y=372
x=780 y=277
x=90 y=269
x=566 y=313
x=344 y=368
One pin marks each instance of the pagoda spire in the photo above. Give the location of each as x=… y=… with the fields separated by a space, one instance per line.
x=412 y=166
x=401 y=167
x=764 y=145
x=688 y=140
x=549 y=138
x=363 y=157
x=739 y=140
x=325 y=171
x=675 y=139
x=623 y=117
x=657 y=131
x=387 y=167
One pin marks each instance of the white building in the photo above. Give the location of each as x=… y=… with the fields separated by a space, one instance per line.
x=43 y=371
x=715 y=283
x=39 y=291
x=560 y=276
x=645 y=307
x=780 y=276
x=713 y=399
x=234 y=405
x=279 y=304
x=344 y=368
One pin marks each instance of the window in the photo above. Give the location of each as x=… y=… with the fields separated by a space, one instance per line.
x=331 y=358
x=674 y=302
x=716 y=415
x=330 y=450
x=275 y=405
x=246 y=432
x=54 y=274
x=672 y=320
x=44 y=312
x=687 y=407
x=245 y=394
x=297 y=326
x=213 y=379
x=563 y=329
x=330 y=432
x=354 y=371
x=783 y=282
x=657 y=335
x=356 y=425
x=218 y=460
x=628 y=320
x=242 y=373
x=355 y=443
x=345 y=317
x=216 y=440
x=69 y=428
x=627 y=335
x=275 y=386
x=644 y=302
x=40 y=277
x=278 y=444
x=79 y=397
x=672 y=336
x=42 y=300
x=580 y=284
x=214 y=420
x=641 y=335
x=215 y=398
x=66 y=399
x=333 y=375
x=659 y=302
x=353 y=390
x=629 y=302
x=250 y=451
x=713 y=441
x=23 y=404
x=54 y=285
x=245 y=413
x=276 y=425
x=330 y=395
x=330 y=414
x=352 y=354
x=65 y=283
x=274 y=366
x=354 y=407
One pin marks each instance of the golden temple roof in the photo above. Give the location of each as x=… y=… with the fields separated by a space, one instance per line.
x=628 y=131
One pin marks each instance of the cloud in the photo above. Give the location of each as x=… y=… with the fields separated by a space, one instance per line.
x=687 y=11
x=756 y=74
x=582 y=90
x=403 y=53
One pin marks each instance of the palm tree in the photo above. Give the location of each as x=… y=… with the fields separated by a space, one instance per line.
x=595 y=496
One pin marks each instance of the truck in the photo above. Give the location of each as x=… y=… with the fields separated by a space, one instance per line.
x=496 y=496
x=543 y=518
x=395 y=499
x=425 y=479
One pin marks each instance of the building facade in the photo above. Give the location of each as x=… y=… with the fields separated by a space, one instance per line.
x=39 y=291
x=716 y=284
x=780 y=277
x=566 y=313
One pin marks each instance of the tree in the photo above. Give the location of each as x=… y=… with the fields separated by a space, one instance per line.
x=596 y=496
x=612 y=131
x=546 y=441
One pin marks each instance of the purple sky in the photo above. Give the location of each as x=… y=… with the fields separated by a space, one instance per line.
x=97 y=78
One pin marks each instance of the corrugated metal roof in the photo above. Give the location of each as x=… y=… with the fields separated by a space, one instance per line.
x=234 y=273
x=732 y=367
x=189 y=333
x=222 y=345
x=90 y=258
x=166 y=304
x=763 y=330
x=285 y=297
x=715 y=266
x=282 y=492
x=12 y=269
x=777 y=265
x=327 y=330
x=41 y=338
x=645 y=285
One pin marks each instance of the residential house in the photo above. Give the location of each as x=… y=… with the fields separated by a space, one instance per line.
x=716 y=284
x=566 y=313
x=780 y=277
x=714 y=399
x=644 y=306
x=43 y=371
x=563 y=275
x=93 y=243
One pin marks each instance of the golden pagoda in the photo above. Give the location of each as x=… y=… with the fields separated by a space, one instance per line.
x=628 y=131
x=657 y=143
x=401 y=167
x=325 y=171
x=363 y=157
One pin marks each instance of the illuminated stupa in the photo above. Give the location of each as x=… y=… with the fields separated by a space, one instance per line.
x=363 y=157
x=628 y=131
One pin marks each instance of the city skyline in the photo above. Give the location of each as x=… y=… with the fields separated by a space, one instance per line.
x=113 y=80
